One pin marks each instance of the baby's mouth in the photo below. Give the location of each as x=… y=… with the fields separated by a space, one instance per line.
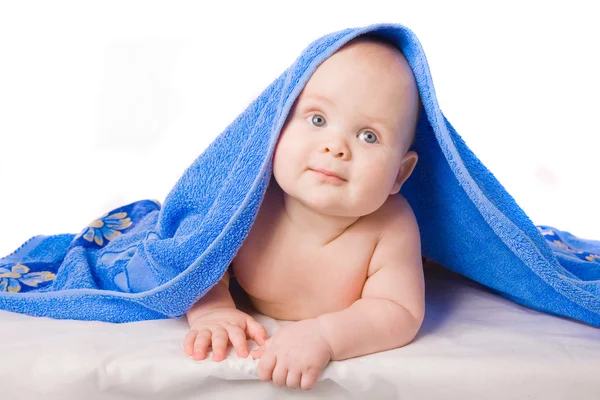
x=328 y=175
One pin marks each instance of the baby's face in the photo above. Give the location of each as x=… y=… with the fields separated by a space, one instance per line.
x=354 y=119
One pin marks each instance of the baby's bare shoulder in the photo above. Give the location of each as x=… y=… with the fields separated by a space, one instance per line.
x=395 y=216
x=399 y=236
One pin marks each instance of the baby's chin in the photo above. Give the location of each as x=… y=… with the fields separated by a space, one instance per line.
x=332 y=201
x=334 y=207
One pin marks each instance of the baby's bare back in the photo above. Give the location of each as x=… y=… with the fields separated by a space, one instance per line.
x=288 y=278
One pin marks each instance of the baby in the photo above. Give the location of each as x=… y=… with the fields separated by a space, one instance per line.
x=334 y=246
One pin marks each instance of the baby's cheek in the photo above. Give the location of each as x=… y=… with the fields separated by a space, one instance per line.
x=279 y=160
x=286 y=171
x=373 y=193
x=290 y=160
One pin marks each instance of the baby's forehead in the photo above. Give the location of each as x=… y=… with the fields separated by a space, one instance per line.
x=367 y=57
x=364 y=61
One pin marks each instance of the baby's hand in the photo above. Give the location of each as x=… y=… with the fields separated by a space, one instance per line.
x=218 y=327
x=295 y=355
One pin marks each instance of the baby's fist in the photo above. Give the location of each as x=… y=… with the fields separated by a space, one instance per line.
x=294 y=356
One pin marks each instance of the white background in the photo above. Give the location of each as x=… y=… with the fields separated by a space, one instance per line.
x=105 y=103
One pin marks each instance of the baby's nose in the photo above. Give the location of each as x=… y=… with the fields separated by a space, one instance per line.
x=337 y=152
x=337 y=148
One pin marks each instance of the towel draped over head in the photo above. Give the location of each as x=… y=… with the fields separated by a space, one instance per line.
x=147 y=261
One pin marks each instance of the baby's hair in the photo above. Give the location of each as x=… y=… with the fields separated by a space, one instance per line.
x=382 y=40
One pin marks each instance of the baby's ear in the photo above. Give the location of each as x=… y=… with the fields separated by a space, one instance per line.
x=409 y=161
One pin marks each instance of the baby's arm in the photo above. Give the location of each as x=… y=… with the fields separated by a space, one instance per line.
x=392 y=306
x=218 y=296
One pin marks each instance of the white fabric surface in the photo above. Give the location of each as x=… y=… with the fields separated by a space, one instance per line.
x=473 y=345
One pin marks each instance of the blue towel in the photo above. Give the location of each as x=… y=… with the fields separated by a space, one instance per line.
x=147 y=261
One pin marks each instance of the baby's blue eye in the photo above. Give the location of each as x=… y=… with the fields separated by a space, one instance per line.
x=368 y=136
x=317 y=120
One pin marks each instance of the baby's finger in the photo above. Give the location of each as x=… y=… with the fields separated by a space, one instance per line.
x=201 y=344
x=256 y=331
x=219 y=343
x=309 y=379
x=293 y=378
x=188 y=342
x=266 y=366
x=280 y=374
x=257 y=353
x=238 y=340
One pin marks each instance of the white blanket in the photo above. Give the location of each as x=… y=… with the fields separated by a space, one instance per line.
x=473 y=345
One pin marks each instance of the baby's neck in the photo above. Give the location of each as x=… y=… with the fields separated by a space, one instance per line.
x=319 y=228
